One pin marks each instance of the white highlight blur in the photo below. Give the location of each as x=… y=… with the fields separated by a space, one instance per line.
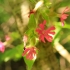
x=6 y=59
x=34 y=57
x=25 y=12
x=62 y=51
x=51 y=35
x=38 y=4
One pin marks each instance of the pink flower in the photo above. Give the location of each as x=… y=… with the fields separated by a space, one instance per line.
x=64 y=16
x=30 y=53
x=2 y=47
x=45 y=33
x=7 y=38
x=25 y=38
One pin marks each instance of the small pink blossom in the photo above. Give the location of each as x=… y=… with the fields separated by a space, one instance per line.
x=64 y=16
x=7 y=38
x=30 y=53
x=25 y=39
x=45 y=33
x=2 y=47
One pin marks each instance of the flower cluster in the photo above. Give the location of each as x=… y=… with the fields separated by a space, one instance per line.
x=30 y=52
x=45 y=33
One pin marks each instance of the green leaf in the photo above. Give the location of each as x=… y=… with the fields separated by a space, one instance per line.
x=45 y=16
x=62 y=3
x=32 y=40
x=29 y=63
x=14 y=53
x=15 y=35
x=1 y=1
x=58 y=29
x=67 y=26
x=31 y=36
x=33 y=2
x=19 y=51
x=32 y=22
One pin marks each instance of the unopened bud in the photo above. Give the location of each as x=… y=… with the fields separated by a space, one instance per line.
x=25 y=39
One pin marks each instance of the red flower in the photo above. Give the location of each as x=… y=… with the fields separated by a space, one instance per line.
x=64 y=16
x=30 y=53
x=2 y=47
x=45 y=33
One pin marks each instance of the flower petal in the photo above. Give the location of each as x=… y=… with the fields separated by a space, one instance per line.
x=49 y=38
x=64 y=16
x=62 y=21
x=39 y=31
x=42 y=26
x=44 y=22
x=66 y=9
x=29 y=56
x=25 y=51
x=41 y=37
x=50 y=29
